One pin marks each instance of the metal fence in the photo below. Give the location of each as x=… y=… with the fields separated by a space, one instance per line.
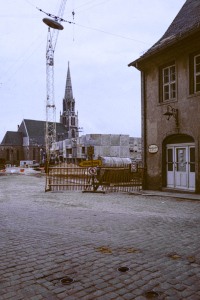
x=93 y=179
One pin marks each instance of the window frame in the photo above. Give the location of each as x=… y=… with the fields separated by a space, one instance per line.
x=167 y=82
x=196 y=74
x=192 y=73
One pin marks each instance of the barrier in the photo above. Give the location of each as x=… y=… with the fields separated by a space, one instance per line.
x=107 y=179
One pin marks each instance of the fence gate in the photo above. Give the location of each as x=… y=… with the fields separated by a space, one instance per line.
x=106 y=179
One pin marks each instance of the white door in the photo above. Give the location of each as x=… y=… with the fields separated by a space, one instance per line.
x=181 y=167
x=191 y=168
x=170 y=167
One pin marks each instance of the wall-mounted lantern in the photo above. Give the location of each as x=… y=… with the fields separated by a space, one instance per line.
x=171 y=112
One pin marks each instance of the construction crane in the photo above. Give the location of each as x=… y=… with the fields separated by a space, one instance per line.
x=53 y=29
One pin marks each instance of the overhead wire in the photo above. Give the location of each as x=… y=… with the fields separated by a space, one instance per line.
x=109 y=33
x=94 y=5
x=29 y=2
x=88 y=27
x=17 y=65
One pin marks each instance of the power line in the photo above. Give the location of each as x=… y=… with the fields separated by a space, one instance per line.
x=105 y=1
x=30 y=3
x=109 y=33
x=87 y=27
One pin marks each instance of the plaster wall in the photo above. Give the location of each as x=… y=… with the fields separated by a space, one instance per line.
x=157 y=125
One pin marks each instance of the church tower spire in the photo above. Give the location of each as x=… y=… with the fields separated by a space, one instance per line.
x=68 y=117
x=68 y=87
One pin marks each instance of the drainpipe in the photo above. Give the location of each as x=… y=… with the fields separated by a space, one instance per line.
x=143 y=125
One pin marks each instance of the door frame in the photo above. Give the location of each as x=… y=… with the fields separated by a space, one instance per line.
x=187 y=177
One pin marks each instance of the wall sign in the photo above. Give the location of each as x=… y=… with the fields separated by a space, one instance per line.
x=153 y=148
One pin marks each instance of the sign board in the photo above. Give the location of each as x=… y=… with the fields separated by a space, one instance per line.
x=90 y=163
x=92 y=171
x=153 y=148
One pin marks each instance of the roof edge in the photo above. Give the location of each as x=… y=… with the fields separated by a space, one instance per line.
x=164 y=44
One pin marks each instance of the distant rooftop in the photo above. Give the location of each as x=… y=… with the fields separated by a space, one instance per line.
x=12 y=138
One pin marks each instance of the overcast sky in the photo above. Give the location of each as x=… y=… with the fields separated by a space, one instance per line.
x=107 y=36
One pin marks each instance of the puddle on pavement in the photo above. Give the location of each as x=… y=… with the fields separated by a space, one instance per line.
x=151 y=295
x=123 y=269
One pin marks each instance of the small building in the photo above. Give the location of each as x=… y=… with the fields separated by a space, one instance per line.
x=170 y=83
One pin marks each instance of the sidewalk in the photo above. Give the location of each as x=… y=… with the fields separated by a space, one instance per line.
x=180 y=195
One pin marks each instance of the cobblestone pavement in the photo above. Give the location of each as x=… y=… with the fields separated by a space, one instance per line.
x=50 y=239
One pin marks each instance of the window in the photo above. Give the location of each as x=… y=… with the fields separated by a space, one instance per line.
x=170 y=159
x=73 y=133
x=197 y=73
x=17 y=154
x=194 y=64
x=33 y=153
x=192 y=159
x=73 y=121
x=7 y=154
x=169 y=83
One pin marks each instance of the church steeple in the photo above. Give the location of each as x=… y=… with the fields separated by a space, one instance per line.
x=68 y=117
x=68 y=87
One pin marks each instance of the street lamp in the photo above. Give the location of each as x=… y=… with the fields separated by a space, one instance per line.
x=171 y=112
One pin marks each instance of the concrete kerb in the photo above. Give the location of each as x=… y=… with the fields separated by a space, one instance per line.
x=181 y=196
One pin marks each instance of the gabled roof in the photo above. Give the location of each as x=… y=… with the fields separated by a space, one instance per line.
x=185 y=23
x=35 y=130
x=34 y=127
x=12 y=138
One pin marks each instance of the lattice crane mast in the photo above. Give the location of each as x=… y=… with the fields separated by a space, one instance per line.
x=53 y=29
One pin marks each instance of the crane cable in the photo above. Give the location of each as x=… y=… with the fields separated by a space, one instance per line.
x=54 y=17
x=87 y=27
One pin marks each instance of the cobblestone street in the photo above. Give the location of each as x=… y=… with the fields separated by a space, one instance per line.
x=71 y=245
